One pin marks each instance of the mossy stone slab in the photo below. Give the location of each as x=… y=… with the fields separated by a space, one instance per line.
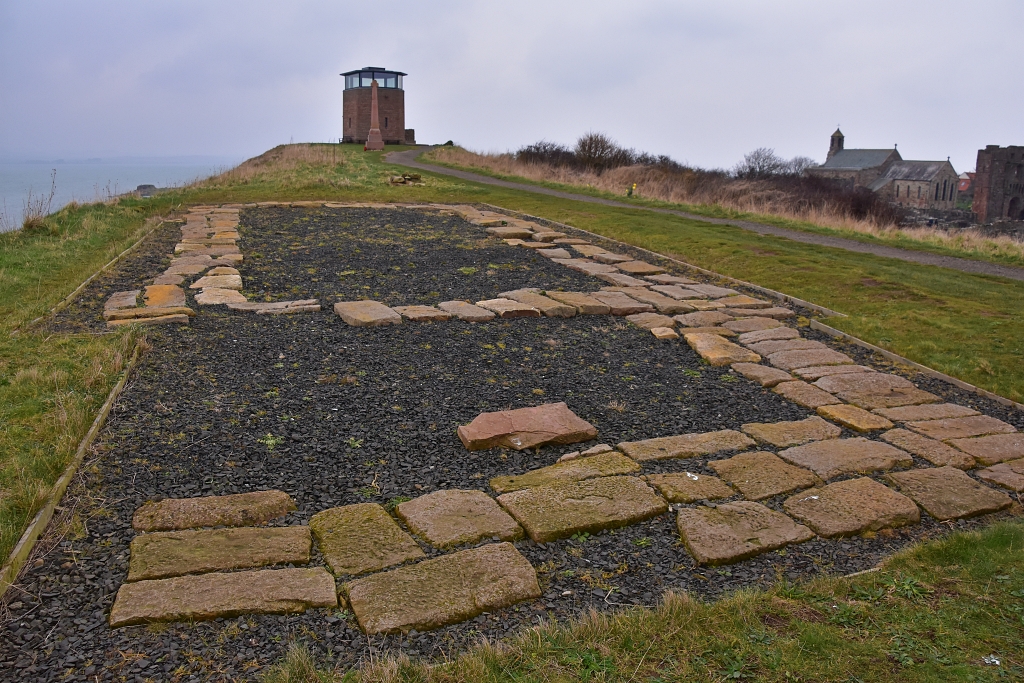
x=792 y=433
x=931 y=450
x=454 y=517
x=602 y=465
x=1009 y=475
x=446 y=590
x=836 y=457
x=804 y=394
x=761 y=475
x=949 y=493
x=556 y=511
x=689 y=487
x=852 y=506
x=857 y=419
x=686 y=445
x=731 y=532
x=238 y=509
x=360 y=538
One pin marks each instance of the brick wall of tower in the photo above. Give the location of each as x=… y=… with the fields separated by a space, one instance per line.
x=390 y=110
x=999 y=184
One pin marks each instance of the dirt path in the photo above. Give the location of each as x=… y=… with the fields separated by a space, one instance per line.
x=408 y=158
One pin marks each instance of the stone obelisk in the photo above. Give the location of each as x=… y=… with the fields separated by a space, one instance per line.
x=374 y=141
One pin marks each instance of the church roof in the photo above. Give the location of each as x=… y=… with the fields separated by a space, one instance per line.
x=924 y=171
x=858 y=159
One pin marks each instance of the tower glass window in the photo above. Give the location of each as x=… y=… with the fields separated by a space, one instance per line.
x=364 y=78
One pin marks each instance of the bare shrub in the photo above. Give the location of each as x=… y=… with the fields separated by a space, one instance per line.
x=37 y=208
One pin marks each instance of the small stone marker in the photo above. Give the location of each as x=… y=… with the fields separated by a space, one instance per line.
x=526 y=428
x=836 y=457
x=639 y=268
x=752 y=324
x=620 y=304
x=442 y=591
x=360 y=538
x=664 y=333
x=855 y=418
x=871 y=390
x=423 y=313
x=554 y=253
x=765 y=335
x=218 y=281
x=703 y=319
x=731 y=532
x=767 y=348
x=599 y=465
x=761 y=475
x=211 y=296
x=162 y=296
x=931 y=450
x=556 y=511
x=718 y=351
x=794 y=433
x=933 y=411
x=506 y=308
x=988 y=450
x=119 y=300
x=666 y=279
x=816 y=372
x=454 y=517
x=850 y=507
x=547 y=306
x=1009 y=475
x=649 y=321
x=366 y=313
x=686 y=445
x=463 y=310
x=792 y=360
x=743 y=301
x=804 y=394
x=762 y=374
x=688 y=487
x=173 y=553
x=237 y=509
x=583 y=303
x=210 y=596
x=664 y=304
x=948 y=493
x=961 y=427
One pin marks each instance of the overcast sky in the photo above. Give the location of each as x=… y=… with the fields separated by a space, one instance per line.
x=702 y=81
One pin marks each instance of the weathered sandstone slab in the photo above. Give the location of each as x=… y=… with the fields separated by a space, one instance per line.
x=621 y=280
x=664 y=304
x=212 y=296
x=714 y=290
x=836 y=457
x=666 y=279
x=463 y=310
x=792 y=360
x=620 y=304
x=132 y=313
x=961 y=427
x=119 y=300
x=237 y=509
x=855 y=418
x=423 y=313
x=360 y=538
x=931 y=450
x=163 y=296
x=1009 y=475
x=743 y=301
x=932 y=411
x=547 y=306
x=767 y=348
x=640 y=268
x=507 y=308
x=600 y=465
x=589 y=250
x=649 y=321
x=610 y=258
x=554 y=253
x=453 y=517
x=526 y=428
x=793 y=433
x=988 y=450
x=366 y=313
x=948 y=493
x=765 y=335
x=731 y=532
x=804 y=394
x=752 y=324
x=688 y=487
x=815 y=372
x=850 y=507
x=718 y=351
x=761 y=475
x=872 y=390
x=664 y=333
x=218 y=281
x=583 y=303
x=505 y=232
x=703 y=319
x=686 y=445
x=762 y=374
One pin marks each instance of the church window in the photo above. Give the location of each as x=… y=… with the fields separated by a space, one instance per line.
x=936 y=192
x=897 y=192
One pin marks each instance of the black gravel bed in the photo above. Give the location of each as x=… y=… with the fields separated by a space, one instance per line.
x=136 y=270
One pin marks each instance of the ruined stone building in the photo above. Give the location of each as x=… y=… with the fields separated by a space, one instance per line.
x=390 y=104
x=921 y=184
x=999 y=184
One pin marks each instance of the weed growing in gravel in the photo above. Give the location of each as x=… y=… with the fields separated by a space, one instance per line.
x=271 y=441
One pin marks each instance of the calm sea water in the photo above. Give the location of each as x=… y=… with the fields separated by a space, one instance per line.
x=92 y=180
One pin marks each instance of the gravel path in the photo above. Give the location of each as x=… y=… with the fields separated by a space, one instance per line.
x=408 y=158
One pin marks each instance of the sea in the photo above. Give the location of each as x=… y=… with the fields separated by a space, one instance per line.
x=29 y=182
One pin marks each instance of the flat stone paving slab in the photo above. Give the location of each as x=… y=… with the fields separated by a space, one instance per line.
x=162 y=296
x=423 y=313
x=649 y=321
x=857 y=419
x=961 y=427
x=1009 y=475
x=117 y=300
x=211 y=596
x=454 y=517
x=463 y=310
x=836 y=457
x=237 y=509
x=505 y=232
x=766 y=348
x=366 y=313
x=761 y=475
x=360 y=538
x=212 y=296
x=777 y=312
x=173 y=553
x=793 y=433
x=872 y=390
x=686 y=445
x=717 y=350
x=556 y=511
x=689 y=487
x=218 y=281
x=640 y=268
x=772 y=333
x=546 y=305
x=620 y=304
x=666 y=279
x=931 y=450
x=588 y=249
x=752 y=324
x=932 y=411
x=133 y=313
x=601 y=465
x=526 y=428
x=584 y=304
x=851 y=507
x=557 y=252
x=703 y=319
x=713 y=290
x=988 y=450
x=507 y=308
x=731 y=532
x=701 y=305
x=662 y=303
x=664 y=333
x=816 y=372
x=792 y=360
x=443 y=591
x=177 y=318
x=948 y=493
x=675 y=291
x=804 y=394
x=744 y=301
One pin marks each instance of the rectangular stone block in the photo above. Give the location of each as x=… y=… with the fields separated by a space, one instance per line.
x=162 y=296
x=836 y=457
x=423 y=313
x=689 y=487
x=961 y=427
x=622 y=280
x=601 y=465
x=948 y=493
x=816 y=372
x=212 y=296
x=463 y=310
x=620 y=304
x=611 y=259
x=649 y=321
x=360 y=538
x=743 y=301
x=119 y=300
x=753 y=324
x=792 y=433
x=714 y=290
x=731 y=532
x=764 y=335
x=703 y=319
x=872 y=390
x=804 y=394
x=988 y=450
x=931 y=450
x=507 y=308
x=177 y=319
x=766 y=348
x=366 y=313
x=857 y=419
x=554 y=253
x=761 y=475
x=238 y=509
x=933 y=411
x=547 y=306
x=851 y=507
x=792 y=360
x=589 y=250
x=686 y=445
x=718 y=351
x=762 y=374
x=454 y=517
x=666 y=279
x=1009 y=475
x=584 y=304
x=640 y=268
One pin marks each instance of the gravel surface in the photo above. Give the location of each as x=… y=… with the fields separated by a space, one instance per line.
x=356 y=415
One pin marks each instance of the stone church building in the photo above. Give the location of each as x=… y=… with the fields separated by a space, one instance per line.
x=920 y=184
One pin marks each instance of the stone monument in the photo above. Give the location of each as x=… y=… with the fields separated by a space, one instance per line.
x=374 y=140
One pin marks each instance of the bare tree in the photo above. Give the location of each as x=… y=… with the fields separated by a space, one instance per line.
x=763 y=162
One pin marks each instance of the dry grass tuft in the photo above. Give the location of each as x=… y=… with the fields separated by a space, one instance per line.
x=282 y=159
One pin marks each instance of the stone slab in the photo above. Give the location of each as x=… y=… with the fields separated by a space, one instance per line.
x=455 y=517
x=857 y=419
x=166 y=279
x=162 y=296
x=223 y=270
x=507 y=308
x=793 y=360
x=948 y=493
x=773 y=333
x=237 y=509
x=133 y=313
x=701 y=305
x=366 y=313
x=639 y=268
x=556 y=511
x=584 y=304
x=816 y=372
x=989 y=450
x=526 y=428
x=589 y=250
x=571 y=240
x=1009 y=475
x=620 y=304
x=676 y=292
x=766 y=348
x=731 y=532
x=211 y=596
x=546 y=305
x=686 y=445
x=836 y=457
x=504 y=232
x=666 y=279
x=762 y=374
x=423 y=313
x=689 y=487
x=872 y=390
x=754 y=324
x=664 y=333
x=720 y=331
x=600 y=465
x=743 y=301
x=793 y=433
x=932 y=411
x=961 y=427
x=360 y=538
x=622 y=280
x=649 y=321
x=718 y=351
x=590 y=267
x=759 y=475
x=804 y=394
x=931 y=450
x=776 y=312
x=554 y=253
x=212 y=296
x=703 y=319
x=714 y=290
x=442 y=591
x=118 y=300
x=547 y=235
x=463 y=310
x=851 y=507
x=663 y=304
x=611 y=259
x=164 y=554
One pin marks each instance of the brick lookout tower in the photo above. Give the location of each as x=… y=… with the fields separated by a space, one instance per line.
x=358 y=104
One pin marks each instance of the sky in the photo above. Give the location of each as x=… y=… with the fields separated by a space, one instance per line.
x=704 y=82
